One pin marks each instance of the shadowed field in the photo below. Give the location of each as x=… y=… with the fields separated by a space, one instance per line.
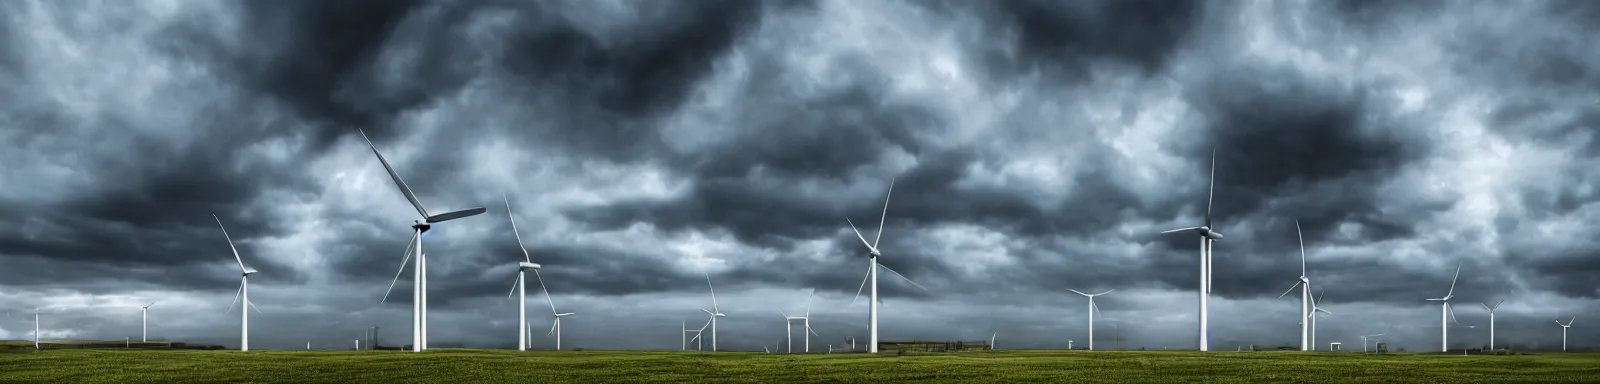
x=478 y=365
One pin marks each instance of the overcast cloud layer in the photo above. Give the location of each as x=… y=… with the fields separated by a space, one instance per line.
x=1034 y=146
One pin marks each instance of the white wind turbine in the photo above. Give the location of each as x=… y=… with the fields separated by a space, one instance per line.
x=1207 y=236
x=244 y=291
x=1364 y=341
x=991 y=339
x=1313 y=318
x=555 y=326
x=788 y=324
x=1558 y=322
x=686 y=331
x=700 y=342
x=521 y=288
x=1305 y=293
x=1491 y=309
x=419 y=286
x=144 y=323
x=1446 y=314
x=872 y=272
x=714 y=313
x=1092 y=309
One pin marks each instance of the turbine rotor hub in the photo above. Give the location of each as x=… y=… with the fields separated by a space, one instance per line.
x=421 y=224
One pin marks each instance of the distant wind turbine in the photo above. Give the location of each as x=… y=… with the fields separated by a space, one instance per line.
x=1364 y=341
x=1446 y=314
x=714 y=313
x=144 y=323
x=1313 y=318
x=1563 y=331
x=788 y=324
x=1491 y=309
x=1092 y=309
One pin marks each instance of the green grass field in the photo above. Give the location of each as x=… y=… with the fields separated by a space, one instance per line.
x=490 y=366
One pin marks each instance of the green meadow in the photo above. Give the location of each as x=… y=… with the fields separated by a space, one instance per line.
x=87 y=365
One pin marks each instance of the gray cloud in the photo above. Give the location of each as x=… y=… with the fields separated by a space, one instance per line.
x=1033 y=147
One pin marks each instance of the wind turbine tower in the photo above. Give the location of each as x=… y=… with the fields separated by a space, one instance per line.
x=1207 y=236
x=1092 y=309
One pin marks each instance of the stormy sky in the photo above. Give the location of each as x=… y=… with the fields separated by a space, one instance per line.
x=1033 y=146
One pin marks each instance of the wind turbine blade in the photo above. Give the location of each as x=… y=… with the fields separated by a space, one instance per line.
x=908 y=280
x=409 y=245
x=863 y=285
x=713 y=294
x=553 y=327
x=452 y=215
x=547 y=297
x=1291 y=289
x=809 y=296
x=230 y=305
x=253 y=306
x=785 y=315
x=1077 y=292
x=514 y=231
x=230 y=244
x=395 y=176
x=858 y=234
x=1497 y=303
x=1452 y=313
x=1302 y=237
x=151 y=304
x=1453 y=281
x=1102 y=293
x=885 y=215
x=513 y=289
x=813 y=331
x=1211 y=192
x=708 y=312
x=1182 y=229
x=1487 y=307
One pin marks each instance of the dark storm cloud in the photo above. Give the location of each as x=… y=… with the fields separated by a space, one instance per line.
x=1065 y=38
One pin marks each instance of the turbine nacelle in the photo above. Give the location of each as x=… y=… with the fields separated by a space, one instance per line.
x=526 y=266
x=1204 y=231
x=249 y=271
x=564 y=314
